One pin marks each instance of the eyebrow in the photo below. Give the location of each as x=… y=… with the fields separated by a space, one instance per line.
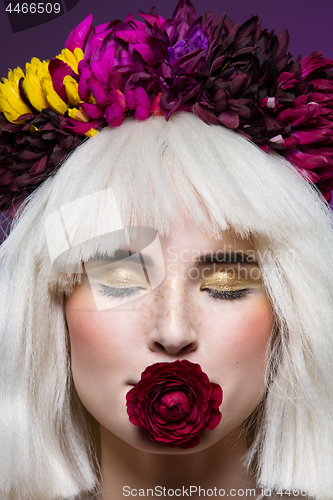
x=219 y=257
x=121 y=254
x=231 y=257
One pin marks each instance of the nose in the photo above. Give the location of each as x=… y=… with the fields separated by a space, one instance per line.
x=173 y=330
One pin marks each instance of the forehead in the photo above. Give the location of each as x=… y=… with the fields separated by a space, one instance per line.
x=82 y=232
x=187 y=242
x=185 y=234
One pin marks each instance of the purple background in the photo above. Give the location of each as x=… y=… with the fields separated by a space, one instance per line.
x=309 y=23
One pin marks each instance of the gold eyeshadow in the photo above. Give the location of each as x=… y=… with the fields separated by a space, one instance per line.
x=122 y=277
x=228 y=277
x=233 y=279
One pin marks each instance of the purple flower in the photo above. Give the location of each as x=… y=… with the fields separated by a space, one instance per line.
x=195 y=39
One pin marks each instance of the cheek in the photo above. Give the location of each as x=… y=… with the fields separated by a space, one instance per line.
x=241 y=343
x=105 y=354
x=102 y=342
x=251 y=332
x=94 y=358
x=86 y=334
x=85 y=327
x=242 y=329
x=89 y=363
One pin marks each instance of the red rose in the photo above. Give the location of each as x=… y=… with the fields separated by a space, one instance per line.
x=174 y=402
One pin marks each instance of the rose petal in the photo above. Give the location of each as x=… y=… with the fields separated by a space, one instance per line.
x=174 y=402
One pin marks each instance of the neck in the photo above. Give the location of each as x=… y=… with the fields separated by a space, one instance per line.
x=220 y=466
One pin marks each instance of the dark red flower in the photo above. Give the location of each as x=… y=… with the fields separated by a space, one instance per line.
x=174 y=403
x=30 y=152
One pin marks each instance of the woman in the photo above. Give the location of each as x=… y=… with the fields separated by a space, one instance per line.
x=176 y=242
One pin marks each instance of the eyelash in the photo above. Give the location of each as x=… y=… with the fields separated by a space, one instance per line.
x=216 y=294
x=226 y=294
x=111 y=291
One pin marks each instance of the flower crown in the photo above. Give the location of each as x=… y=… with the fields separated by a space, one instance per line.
x=240 y=77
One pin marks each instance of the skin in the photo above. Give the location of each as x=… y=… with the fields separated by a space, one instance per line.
x=229 y=338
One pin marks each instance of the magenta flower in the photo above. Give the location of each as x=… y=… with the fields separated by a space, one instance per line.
x=79 y=35
x=313 y=63
x=138 y=100
x=132 y=31
x=115 y=112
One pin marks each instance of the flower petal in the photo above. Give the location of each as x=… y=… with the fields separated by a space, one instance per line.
x=174 y=402
x=78 y=35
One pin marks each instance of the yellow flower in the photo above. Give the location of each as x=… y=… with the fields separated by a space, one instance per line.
x=38 y=88
x=70 y=84
x=54 y=101
x=35 y=71
x=78 y=114
x=91 y=132
x=72 y=91
x=33 y=129
x=70 y=58
x=11 y=102
x=39 y=68
x=92 y=99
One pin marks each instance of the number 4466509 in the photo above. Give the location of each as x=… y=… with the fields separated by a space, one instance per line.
x=34 y=8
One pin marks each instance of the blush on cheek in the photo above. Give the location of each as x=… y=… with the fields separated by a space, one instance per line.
x=90 y=355
x=247 y=329
x=252 y=344
x=83 y=320
x=241 y=344
x=83 y=329
x=255 y=327
x=246 y=354
x=97 y=337
x=254 y=335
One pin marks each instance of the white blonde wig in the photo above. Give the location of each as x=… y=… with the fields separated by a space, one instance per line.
x=216 y=179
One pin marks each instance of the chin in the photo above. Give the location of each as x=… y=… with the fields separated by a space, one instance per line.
x=139 y=440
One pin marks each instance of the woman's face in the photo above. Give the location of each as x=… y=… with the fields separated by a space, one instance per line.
x=209 y=310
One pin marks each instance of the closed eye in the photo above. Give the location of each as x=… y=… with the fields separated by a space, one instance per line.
x=226 y=294
x=111 y=291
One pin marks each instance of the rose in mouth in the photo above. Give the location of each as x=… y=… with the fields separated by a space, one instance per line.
x=175 y=402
